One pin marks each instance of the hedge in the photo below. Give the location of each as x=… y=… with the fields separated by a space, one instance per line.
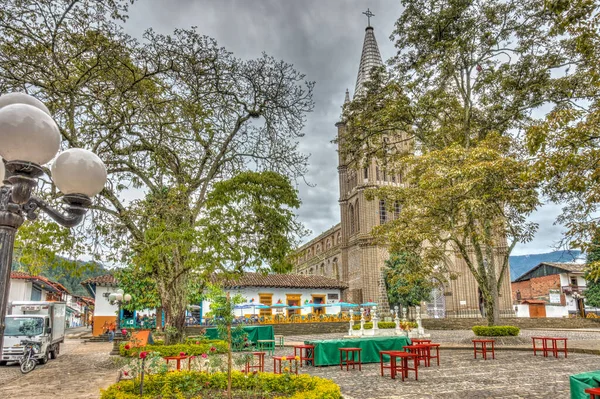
x=187 y=384
x=496 y=331
x=381 y=324
x=174 y=350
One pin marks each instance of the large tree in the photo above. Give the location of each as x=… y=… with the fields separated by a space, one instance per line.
x=566 y=143
x=450 y=114
x=170 y=115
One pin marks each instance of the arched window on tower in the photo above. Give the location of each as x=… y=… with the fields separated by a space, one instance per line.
x=335 y=272
x=377 y=173
x=382 y=212
x=366 y=173
x=396 y=210
x=351 y=218
x=328 y=243
x=339 y=238
x=357 y=212
x=322 y=271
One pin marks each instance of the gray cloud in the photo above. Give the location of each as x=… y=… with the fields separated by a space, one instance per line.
x=323 y=39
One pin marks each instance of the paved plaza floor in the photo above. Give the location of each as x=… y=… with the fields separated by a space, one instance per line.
x=82 y=369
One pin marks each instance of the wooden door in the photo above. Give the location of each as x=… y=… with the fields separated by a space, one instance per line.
x=537 y=310
x=266 y=299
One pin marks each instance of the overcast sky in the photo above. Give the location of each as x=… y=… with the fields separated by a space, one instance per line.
x=323 y=39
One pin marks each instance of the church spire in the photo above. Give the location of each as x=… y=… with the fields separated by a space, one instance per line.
x=370 y=56
x=347 y=98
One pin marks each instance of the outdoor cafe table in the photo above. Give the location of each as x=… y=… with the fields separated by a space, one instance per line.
x=580 y=382
x=327 y=351
x=254 y=333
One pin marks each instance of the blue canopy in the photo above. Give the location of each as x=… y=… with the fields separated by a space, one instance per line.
x=347 y=305
x=368 y=304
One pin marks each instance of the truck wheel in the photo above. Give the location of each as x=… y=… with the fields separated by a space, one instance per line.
x=3 y=363
x=55 y=351
x=44 y=359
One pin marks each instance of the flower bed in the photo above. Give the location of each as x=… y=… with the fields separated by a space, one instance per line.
x=192 y=384
x=194 y=349
x=496 y=331
x=405 y=325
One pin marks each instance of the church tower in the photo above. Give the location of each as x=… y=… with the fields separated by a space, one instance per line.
x=361 y=260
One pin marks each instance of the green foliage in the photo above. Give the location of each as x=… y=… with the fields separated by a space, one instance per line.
x=565 y=142
x=466 y=79
x=173 y=350
x=198 y=384
x=592 y=273
x=250 y=221
x=407 y=282
x=170 y=127
x=496 y=331
x=384 y=325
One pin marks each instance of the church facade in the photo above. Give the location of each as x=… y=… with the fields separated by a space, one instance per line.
x=348 y=253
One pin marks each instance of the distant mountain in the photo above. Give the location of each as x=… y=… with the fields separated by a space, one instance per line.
x=63 y=271
x=523 y=263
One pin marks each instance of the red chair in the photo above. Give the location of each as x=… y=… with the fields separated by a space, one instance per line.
x=307 y=353
x=382 y=363
x=349 y=361
x=403 y=367
x=484 y=348
x=250 y=362
x=594 y=393
x=422 y=351
x=277 y=364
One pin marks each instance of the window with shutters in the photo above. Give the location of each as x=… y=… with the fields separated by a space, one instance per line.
x=382 y=212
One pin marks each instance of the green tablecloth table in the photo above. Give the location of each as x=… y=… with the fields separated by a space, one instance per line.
x=327 y=353
x=580 y=382
x=254 y=333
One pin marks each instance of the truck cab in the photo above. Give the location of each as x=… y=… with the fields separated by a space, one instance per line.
x=43 y=322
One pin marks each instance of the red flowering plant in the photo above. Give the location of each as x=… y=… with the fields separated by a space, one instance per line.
x=150 y=362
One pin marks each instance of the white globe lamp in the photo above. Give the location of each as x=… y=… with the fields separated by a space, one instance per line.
x=79 y=171
x=27 y=134
x=22 y=98
x=127 y=298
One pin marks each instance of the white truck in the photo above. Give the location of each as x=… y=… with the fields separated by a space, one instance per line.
x=43 y=322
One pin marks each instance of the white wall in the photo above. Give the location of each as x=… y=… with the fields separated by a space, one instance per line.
x=102 y=307
x=20 y=290
x=551 y=310
x=522 y=310
x=280 y=293
x=557 y=311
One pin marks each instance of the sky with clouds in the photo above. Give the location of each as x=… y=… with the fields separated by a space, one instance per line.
x=323 y=39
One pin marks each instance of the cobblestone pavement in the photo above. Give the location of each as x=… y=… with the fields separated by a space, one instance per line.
x=512 y=375
x=79 y=372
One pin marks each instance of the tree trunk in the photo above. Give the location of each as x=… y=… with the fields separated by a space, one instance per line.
x=174 y=304
x=159 y=318
x=229 y=359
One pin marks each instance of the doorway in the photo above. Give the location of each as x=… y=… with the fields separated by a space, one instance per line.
x=292 y=300
x=317 y=300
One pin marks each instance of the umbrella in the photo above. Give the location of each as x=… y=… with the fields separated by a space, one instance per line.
x=368 y=304
x=347 y=305
x=295 y=307
x=279 y=305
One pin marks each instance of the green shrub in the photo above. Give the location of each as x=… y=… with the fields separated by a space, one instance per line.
x=496 y=331
x=174 y=350
x=196 y=384
x=382 y=325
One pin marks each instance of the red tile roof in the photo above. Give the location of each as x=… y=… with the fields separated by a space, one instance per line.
x=285 y=281
x=107 y=279
x=17 y=275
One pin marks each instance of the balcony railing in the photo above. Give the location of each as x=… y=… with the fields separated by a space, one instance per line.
x=570 y=289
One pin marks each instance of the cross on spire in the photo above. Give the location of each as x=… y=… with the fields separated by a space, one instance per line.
x=369 y=14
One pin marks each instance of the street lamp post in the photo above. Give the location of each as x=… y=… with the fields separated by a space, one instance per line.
x=29 y=138
x=118 y=298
